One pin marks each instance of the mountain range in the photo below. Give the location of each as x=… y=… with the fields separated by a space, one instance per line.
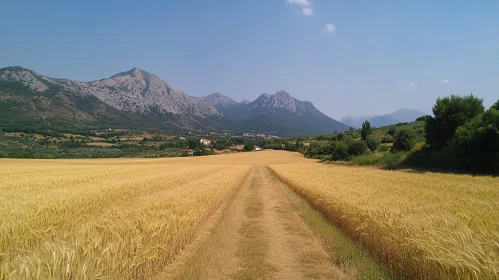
x=140 y=100
x=399 y=116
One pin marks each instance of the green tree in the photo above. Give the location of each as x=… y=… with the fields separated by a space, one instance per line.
x=298 y=144
x=387 y=139
x=340 y=150
x=423 y=118
x=496 y=105
x=391 y=131
x=366 y=130
x=372 y=143
x=194 y=143
x=248 y=145
x=356 y=148
x=449 y=114
x=477 y=142
x=405 y=140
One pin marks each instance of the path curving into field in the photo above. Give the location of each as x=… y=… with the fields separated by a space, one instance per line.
x=256 y=235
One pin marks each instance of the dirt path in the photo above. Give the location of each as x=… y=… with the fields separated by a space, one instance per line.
x=257 y=235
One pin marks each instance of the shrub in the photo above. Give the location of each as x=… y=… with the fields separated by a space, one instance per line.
x=356 y=148
x=391 y=131
x=372 y=143
x=386 y=160
x=387 y=139
x=340 y=151
x=404 y=140
x=384 y=148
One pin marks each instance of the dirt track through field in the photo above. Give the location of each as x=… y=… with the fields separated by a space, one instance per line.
x=256 y=235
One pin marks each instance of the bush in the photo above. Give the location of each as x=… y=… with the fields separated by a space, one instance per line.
x=384 y=148
x=357 y=148
x=372 y=143
x=386 y=160
x=391 y=131
x=340 y=151
x=404 y=141
x=387 y=139
x=318 y=148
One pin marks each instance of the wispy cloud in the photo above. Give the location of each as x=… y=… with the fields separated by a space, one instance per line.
x=307 y=11
x=329 y=28
x=305 y=6
x=444 y=82
x=407 y=85
x=304 y=3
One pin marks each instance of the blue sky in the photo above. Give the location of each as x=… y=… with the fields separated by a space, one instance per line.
x=347 y=57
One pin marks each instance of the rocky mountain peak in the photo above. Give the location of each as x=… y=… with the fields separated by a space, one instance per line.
x=283 y=94
x=135 y=73
x=25 y=76
x=280 y=99
x=218 y=99
x=245 y=101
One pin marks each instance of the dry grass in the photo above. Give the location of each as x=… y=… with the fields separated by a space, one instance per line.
x=95 y=219
x=424 y=226
x=100 y=144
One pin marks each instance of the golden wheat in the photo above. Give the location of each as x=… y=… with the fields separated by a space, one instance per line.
x=117 y=219
x=424 y=226
x=128 y=218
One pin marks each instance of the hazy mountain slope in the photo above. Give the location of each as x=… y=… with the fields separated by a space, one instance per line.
x=280 y=114
x=402 y=115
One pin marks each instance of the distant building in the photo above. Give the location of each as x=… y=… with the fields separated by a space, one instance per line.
x=205 y=142
x=181 y=138
x=260 y=135
x=190 y=152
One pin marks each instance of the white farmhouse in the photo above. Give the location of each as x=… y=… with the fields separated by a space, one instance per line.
x=205 y=142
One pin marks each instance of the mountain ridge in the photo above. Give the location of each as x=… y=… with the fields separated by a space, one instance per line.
x=399 y=116
x=138 y=94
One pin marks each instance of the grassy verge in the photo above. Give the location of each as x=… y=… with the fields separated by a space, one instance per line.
x=253 y=245
x=344 y=251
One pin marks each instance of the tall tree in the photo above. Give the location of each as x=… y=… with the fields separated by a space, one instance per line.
x=366 y=130
x=496 y=106
x=478 y=142
x=449 y=114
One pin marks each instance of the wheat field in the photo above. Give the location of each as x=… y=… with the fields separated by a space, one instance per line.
x=423 y=226
x=96 y=219
x=129 y=218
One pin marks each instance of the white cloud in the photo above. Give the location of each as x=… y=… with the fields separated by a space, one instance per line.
x=304 y=3
x=444 y=82
x=306 y=6
x=413 y=84
x=308 y=11
x=329 y=28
